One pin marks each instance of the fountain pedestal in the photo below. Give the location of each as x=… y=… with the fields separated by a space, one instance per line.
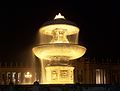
x=59 y=74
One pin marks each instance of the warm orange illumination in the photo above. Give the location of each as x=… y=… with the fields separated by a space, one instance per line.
x=59 y=75
x=59 y=36
x=60 y=50
x=59 y=16
x=48 y=30
x=100 y=76
x=28 y=75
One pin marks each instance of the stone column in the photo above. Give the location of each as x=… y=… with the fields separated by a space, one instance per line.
x=22 y=77
x=16 y=78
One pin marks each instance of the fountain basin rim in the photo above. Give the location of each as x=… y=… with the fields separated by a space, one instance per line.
x=47 y=30
x=59 y=51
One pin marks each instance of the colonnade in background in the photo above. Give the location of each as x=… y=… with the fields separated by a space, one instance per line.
x=15 y=78
x=87 y=71
x=91 y=72
x=14 y=64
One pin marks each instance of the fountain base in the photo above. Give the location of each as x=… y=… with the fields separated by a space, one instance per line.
x=59 y=75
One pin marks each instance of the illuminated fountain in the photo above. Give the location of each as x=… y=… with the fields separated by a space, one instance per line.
x=58 y=45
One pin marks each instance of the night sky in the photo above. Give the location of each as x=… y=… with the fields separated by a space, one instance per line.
x=19 y=28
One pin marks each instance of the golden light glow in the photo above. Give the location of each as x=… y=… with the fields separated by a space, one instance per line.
x=59 y=16
x=65 y=50
x=28 y=75
x=59 y=36
x=100 y=76
x=48 y=30
x=59 y=75
x=59 y=49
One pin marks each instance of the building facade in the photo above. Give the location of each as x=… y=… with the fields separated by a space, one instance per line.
x=16 y=74
x=87 y=71
x=97 y=71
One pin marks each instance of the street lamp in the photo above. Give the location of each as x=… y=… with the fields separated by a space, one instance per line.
x=28 y=75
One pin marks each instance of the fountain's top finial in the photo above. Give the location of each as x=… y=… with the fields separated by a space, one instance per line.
x=59 y=16
x=59 y=19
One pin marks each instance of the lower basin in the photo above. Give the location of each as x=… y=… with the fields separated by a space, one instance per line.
x=59 y=51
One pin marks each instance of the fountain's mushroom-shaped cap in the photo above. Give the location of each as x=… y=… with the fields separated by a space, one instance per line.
x=59 y=19
x=59 y=22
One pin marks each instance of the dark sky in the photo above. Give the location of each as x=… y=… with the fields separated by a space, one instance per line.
x=19 y=26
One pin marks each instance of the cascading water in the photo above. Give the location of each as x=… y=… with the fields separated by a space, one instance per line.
x=58 y=45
